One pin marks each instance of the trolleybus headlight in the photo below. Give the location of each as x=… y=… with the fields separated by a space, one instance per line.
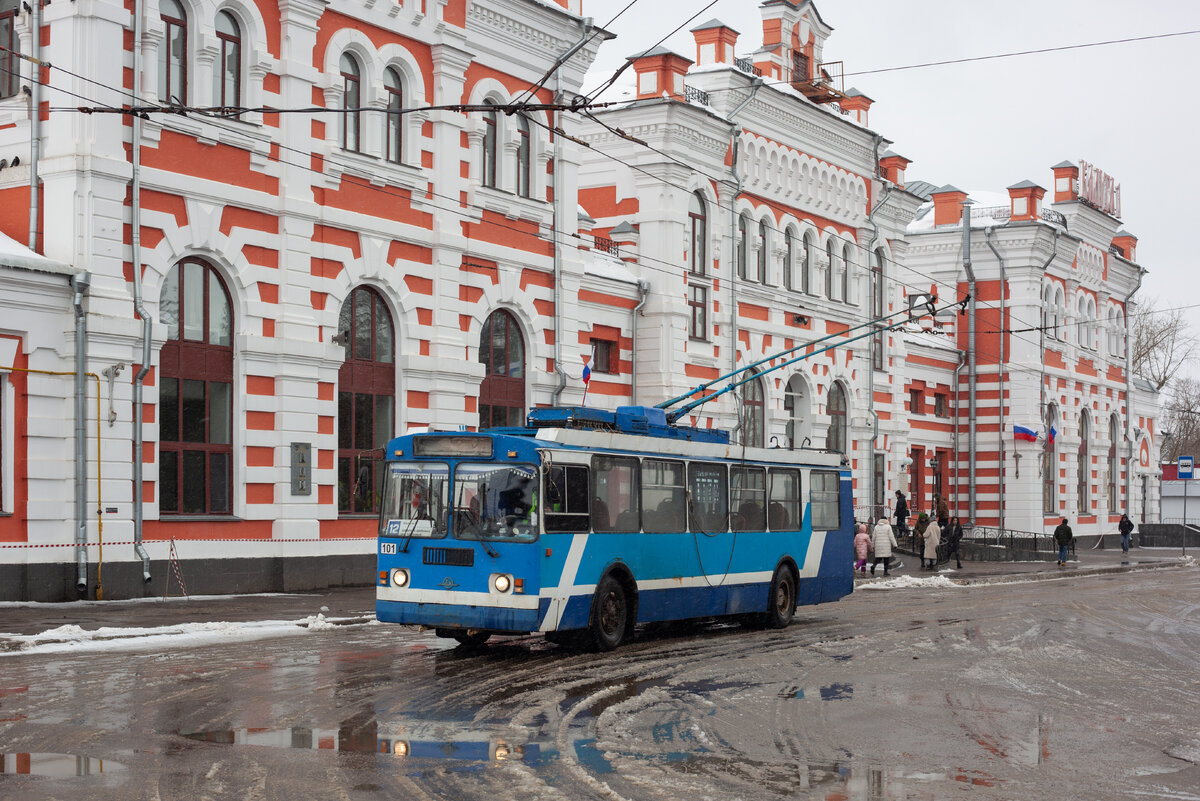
x=400 y=748
x=502 y=582
x=399 y=577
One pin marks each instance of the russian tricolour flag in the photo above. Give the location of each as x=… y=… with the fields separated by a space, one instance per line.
x=1027 y=434
x=587 y=373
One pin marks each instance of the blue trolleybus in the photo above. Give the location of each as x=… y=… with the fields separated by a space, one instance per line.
x=584 y=523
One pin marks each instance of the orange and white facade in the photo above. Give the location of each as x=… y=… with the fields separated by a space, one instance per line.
x=322 y=279
x=1055 y=280
x=317 y=280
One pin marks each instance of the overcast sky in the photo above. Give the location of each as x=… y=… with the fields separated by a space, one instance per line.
x=1131 y=109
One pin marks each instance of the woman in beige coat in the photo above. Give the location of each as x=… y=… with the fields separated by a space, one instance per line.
x=933 y=538
x=882 y=541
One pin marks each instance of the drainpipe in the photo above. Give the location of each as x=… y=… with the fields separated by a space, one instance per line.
x=1129 y=392
x=35 y=126
x=1042 y=355
x=1003 y=366
x=962 y=361
x=585 y=24
x=971 y=361
x=733 y=243
x=644 y=293
x=871 y=301
x=80 y=283
x=135 y=216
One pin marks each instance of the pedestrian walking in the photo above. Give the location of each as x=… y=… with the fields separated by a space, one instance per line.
x=943 y=512
x=862 y=548
x=1063 y=536
x=954 y=538
x=883 y=541
x=1126 y=529
x=933 y=538
x=919 y=532
x=901 y=514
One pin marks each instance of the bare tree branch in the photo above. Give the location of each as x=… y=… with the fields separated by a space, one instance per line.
x=1162 y=343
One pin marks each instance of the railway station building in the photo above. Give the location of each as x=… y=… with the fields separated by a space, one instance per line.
x=337 y=221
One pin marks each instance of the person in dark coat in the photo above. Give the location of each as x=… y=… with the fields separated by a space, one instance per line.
x=954 y=540
x=1126 y=529
x=1063 y=536
x=901 y=514
x=943 y=512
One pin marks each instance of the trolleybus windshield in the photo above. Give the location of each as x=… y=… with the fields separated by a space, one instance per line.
x=414 y=500
x=494 y=501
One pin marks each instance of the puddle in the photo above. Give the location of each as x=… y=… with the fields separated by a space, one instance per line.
x=58 y=766
x=837 y=691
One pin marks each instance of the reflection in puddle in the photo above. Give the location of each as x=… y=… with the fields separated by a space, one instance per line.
x=838 y=691
x=57 y=766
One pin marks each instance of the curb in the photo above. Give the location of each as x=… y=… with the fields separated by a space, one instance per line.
x=1016 y=578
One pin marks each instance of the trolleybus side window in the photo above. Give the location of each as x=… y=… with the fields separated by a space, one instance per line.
x=708 y=497
x=824 y=495
x=566 y=494
x=414 y=499
x=748 y=493
x=783 y=507
x=495 y=501
x=615 y=498
x=664 y=498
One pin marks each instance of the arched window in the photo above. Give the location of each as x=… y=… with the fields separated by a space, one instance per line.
x=806 y=269
x=837 y=439
x=488 y=163
x=228 y=70
x=1119 y=325
x=698 y=220
x=172 y=53
x=1047 y=307
x=847 y=258
x=1084 y=467
x=502 y=393
x=796 y=406
x=1050 y=464
x=742 y=244
x=195 y=400
x=1114 y=463
x=829 y=269
x=762 y=251
x=366 y=398
x=789 y=258
x=522 y=165
x=1060 y=314
x=351 y=99
x=754 y=423
x=10 y=47
x=393 y=121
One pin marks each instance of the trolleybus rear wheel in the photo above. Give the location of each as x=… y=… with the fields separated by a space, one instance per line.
x=610 y=614
x=781 y=603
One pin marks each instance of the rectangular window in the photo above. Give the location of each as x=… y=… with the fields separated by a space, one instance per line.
x=916 y=402
x=664 y=498
x=604 y=356
x=10 y=64
x=939 y=405
x=566 y=494
x=615 y=494
x=784 y=507
x=748 y=492
x=709 y=498
x=698 y=302
x=825 y=500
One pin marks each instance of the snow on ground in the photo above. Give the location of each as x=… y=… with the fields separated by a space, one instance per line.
x=907 y=582
x=73 y=639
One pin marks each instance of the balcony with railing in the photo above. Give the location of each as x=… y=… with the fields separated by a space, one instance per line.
x=606 y=245
x=1003 y=214
x=693 y=95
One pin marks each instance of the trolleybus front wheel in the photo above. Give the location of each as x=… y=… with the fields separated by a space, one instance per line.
x=781 y=603
x=610 y=614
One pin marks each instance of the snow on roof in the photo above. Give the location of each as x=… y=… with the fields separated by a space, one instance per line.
x=923 y=221
x=14 y=254
x=605 y=265
x=928 y=339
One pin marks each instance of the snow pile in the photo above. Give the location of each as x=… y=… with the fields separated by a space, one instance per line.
x=907 y=582
x=316 y=623
x=72 y=638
